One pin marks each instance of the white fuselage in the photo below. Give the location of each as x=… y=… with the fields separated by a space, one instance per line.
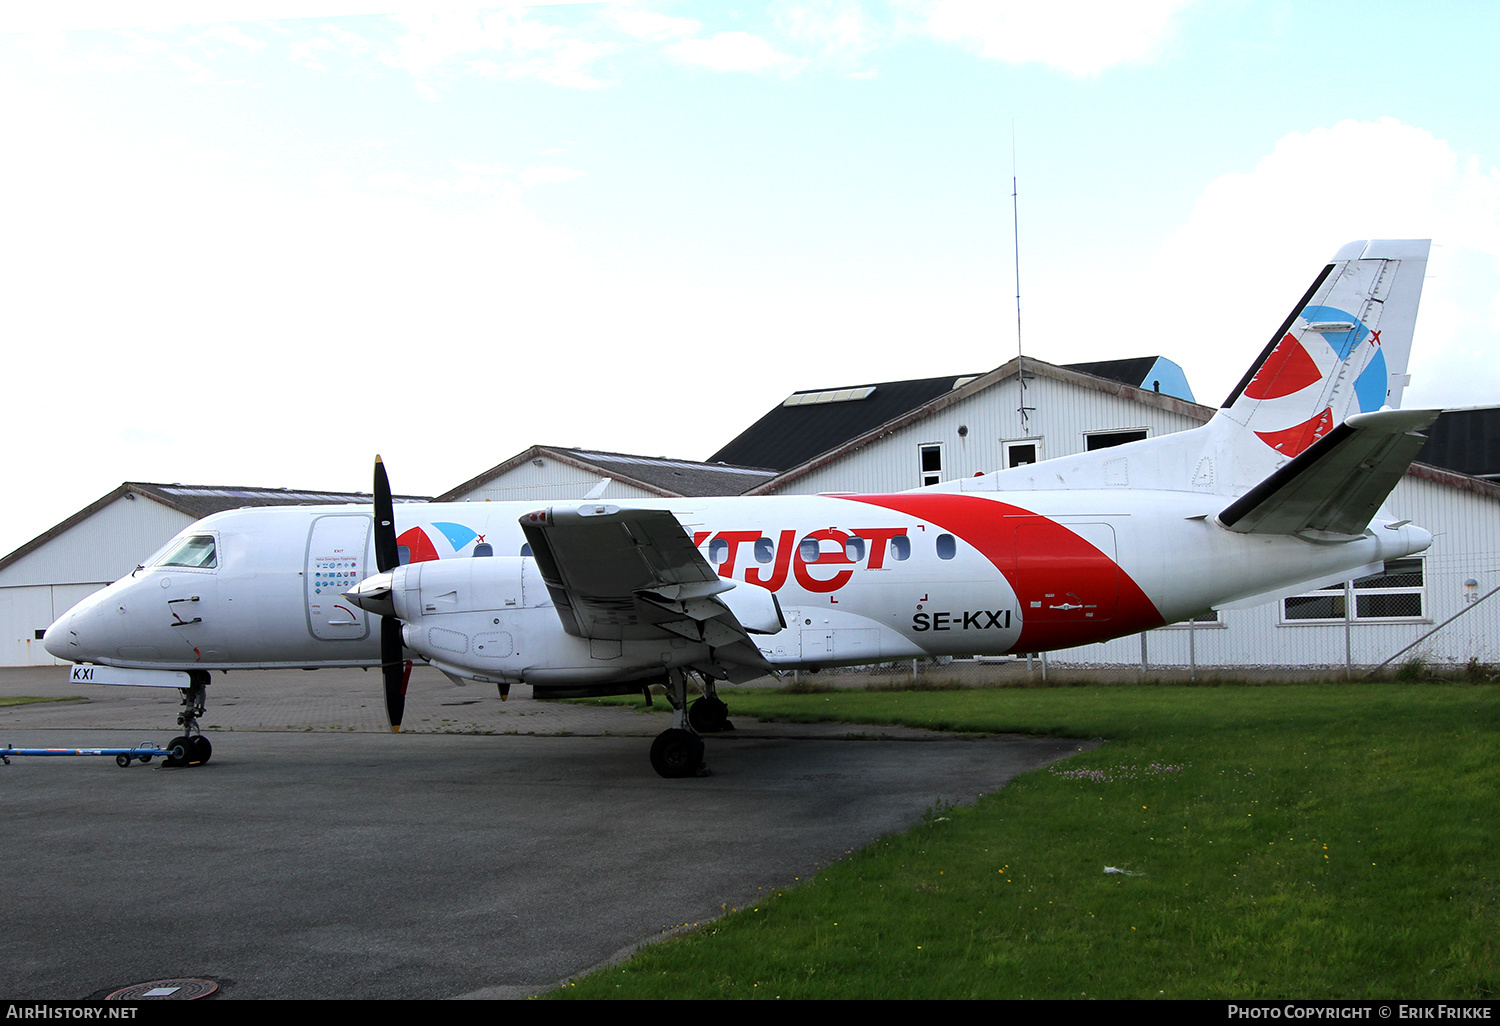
x=894 y=577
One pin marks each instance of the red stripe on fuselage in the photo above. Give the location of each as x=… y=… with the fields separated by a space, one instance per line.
x=1055 y=557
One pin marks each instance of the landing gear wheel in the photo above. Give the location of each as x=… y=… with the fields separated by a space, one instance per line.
x=180 y=749
x=199 y=750
x=709 y=715
x=677 y=753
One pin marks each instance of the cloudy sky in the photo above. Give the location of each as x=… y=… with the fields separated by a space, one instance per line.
x=257 y=241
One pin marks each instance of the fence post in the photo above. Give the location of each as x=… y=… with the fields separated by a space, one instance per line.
x=1348 y=619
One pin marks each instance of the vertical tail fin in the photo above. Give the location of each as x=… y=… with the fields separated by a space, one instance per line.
x=1341 y=351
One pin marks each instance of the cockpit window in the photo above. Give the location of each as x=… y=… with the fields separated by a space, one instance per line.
x=196 y=551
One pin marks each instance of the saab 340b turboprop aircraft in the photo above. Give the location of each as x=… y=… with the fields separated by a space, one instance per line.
x=1280 y=492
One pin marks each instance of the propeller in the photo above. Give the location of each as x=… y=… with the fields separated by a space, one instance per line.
x=394 y=670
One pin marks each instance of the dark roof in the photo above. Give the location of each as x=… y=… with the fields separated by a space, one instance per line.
x=669 y=478
x=197 y=502
x=1128 y=372
x=1466 y=441
x=791 y=435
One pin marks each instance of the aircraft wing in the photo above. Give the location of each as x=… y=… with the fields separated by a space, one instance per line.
x=629 y=574
x=1334 y=487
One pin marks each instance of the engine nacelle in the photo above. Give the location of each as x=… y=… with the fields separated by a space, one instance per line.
x=491 y=619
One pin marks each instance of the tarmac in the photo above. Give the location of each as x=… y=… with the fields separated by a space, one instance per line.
x=490 y=850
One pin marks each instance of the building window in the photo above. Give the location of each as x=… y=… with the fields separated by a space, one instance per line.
x=1396 y=593
x=932 y=463
x=1022 y=452
x=1107 y=439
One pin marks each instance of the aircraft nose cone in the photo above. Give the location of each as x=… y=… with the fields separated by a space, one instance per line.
x=60 y=640
x=373 y=595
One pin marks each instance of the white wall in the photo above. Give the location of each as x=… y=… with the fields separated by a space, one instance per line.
x=1064 y=414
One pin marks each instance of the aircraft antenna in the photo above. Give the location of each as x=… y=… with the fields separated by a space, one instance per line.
x=1015 y=220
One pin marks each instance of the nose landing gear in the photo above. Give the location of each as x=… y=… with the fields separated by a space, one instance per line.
x=195 y=748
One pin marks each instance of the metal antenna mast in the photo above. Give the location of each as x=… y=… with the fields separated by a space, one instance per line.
x=1015 y=214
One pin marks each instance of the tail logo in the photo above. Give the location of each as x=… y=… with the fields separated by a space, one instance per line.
x=1315 y=370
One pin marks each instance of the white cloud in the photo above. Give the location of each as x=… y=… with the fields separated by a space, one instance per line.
x=548 y=175
x=1083 y=37
x=650 y=26
x=95 y=14
x=499 y=44
x=839 y=30
x=734 y=51
x=1219 y=284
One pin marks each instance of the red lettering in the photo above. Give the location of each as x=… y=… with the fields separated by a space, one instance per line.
x=878 y=537
x=784 y=550
x=733 y=539
x=839 y=579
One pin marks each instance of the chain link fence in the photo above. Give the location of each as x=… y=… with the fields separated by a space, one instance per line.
x=1344 y=632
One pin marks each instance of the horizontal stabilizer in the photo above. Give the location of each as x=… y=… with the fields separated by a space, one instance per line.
x=1335 y=487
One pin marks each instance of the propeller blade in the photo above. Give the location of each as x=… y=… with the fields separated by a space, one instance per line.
x=386 y=556
x=394 y=670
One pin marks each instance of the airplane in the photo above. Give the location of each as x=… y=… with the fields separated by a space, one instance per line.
x=1280 y=492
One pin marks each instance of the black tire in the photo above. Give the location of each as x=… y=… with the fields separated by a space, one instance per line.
x=199 y=750
x=709 y=715
x=122 y=761
x=178 y=749
x=677 y=753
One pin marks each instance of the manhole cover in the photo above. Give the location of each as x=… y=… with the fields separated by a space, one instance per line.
x=165 y=990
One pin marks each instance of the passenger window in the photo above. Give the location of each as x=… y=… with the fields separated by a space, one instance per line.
x=765 y=550
x=196 y=552
x=718 y=551
x=854 y=548
x=484 y=549
x=525 y=550
x=947 y=548
x=900 y=548
x=808 y=550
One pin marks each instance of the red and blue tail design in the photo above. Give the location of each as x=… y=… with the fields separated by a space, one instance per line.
x=1341 y=351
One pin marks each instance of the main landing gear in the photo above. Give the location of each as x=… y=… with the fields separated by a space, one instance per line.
x=195 y=748
x=678 y=751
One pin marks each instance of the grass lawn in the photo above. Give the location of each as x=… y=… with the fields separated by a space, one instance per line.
x=1297 y=841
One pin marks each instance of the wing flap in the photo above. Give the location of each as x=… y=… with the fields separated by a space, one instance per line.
x=635 y=574
x=1334 y=488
